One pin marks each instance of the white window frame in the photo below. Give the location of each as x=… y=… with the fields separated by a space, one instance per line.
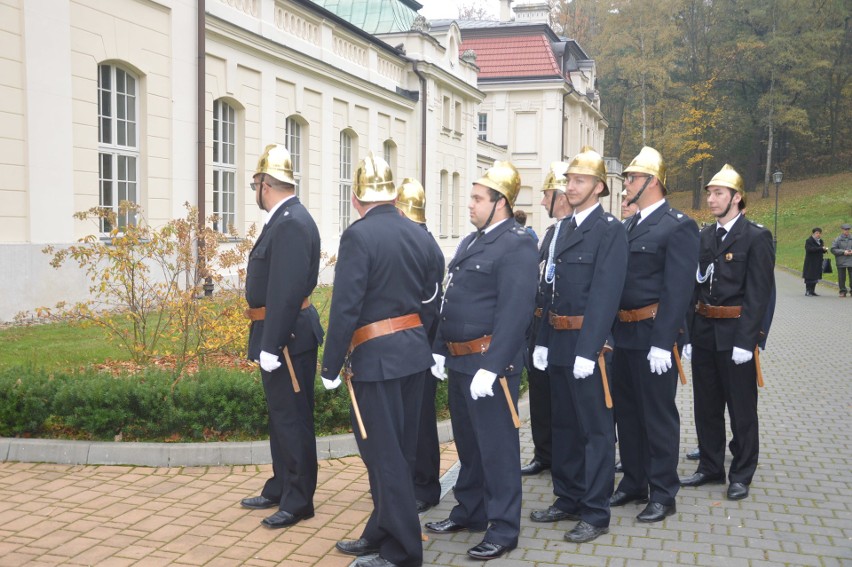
x=482 y=126
x=293 y=141
x=345 y=184
x=118 y=143
x=224 y=166
x=442 y=204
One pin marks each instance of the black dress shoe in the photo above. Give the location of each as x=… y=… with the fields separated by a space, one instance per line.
x=656 y=512
x=737 y=491
x=585 y=532
x=377 y=561
x=487 y=550
x=282 y=519
x=356 y=547
x=445 y=527
x=619 y=467
x=620 y=498
x=694 y=455
x=700 y=478
x=552 y=514
x=534 y=467
x=422 y=506
x=258 y=503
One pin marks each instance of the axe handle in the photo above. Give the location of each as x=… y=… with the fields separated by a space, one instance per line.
x=292 y=371
x=679 y=365
x=355 y=407
x=602 y=365
x=757 y=366
x=515 y=420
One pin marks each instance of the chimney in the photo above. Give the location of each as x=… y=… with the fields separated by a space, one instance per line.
x=533 y=13
x=505 y=10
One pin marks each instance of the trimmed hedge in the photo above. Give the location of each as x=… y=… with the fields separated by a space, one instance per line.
x=214 y=404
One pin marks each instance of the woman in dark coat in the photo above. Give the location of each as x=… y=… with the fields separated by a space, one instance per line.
x=812 y=270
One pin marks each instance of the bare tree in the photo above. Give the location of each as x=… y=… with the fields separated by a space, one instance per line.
x=475 y=10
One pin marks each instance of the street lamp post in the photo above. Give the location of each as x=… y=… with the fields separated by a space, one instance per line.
x=776 y=177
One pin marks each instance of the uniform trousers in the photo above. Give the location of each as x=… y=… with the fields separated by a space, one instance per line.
x=488 y=489
x=292 y=440
x=540 y=414
x=648 y=426
x=583 y=446
x=427 y=469
x=390 y=410
x=717 y=382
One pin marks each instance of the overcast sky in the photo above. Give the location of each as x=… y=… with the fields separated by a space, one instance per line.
x=437 y=9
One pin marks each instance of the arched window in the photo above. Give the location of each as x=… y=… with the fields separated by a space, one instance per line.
x=118 y=142
x=224 y=166
x=345 y=186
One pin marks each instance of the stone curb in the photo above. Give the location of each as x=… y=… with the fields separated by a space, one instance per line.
x=180 y=454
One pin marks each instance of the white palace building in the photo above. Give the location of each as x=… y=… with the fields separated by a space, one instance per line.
x=165 y=102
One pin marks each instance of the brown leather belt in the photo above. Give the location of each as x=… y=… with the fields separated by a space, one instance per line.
x=718 y=311
x=259 y=313
x=634 y=315
x=565 y=322
x=384 y=327
x=476 y=346
x=538 y=312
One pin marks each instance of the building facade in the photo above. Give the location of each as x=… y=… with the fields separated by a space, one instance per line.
x=167 y=102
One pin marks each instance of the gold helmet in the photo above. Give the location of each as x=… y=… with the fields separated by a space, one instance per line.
x=651 y=162
x=276 y=163
x=728 y=177
x=556 y=177
x=411 y=200
x=590 y=162
x=373 y=180
x=503 y=178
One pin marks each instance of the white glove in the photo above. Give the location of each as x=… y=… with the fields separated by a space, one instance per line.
x=269 y=361
x=661 y=360
x=686 y=352
x=481 y=384
x=438 y=370
x=331 y=384
x=583 y=367
x=540 y=357
x=740 y=356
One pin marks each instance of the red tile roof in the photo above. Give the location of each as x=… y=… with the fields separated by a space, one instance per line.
x=518 y=56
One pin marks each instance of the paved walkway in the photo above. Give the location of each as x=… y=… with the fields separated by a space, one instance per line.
x=799 y=511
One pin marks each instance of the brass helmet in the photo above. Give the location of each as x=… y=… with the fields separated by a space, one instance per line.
x=651 y=162
x=276 y=163
x=373 y=180
x=728 y=177
x=556 y=177
x=503 y=178
x=590 y=162
x=411 y=200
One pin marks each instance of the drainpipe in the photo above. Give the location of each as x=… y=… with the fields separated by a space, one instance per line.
x=199 y=158
x=423 y=112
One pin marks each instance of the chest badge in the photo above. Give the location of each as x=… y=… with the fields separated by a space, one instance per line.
x=729 y=256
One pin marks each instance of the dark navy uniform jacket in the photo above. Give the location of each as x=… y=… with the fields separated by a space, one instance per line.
x=382 y=272
x=743 y=275
x=663 y=252
x=542 y=296
x=491 y=289
x=282 y=271
x=591 y=264
x=431 y=305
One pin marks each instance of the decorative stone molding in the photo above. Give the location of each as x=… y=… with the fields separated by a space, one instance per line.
x=249 y=7
x=421 y=24
x=296 y=25
x=348 y=50
x=469 y=56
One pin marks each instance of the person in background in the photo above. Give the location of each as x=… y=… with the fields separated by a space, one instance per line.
x=281 y=275
x=555 y=202
x=815 y=249
x=842 y=250
x=411 y=202
x=521 y=218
